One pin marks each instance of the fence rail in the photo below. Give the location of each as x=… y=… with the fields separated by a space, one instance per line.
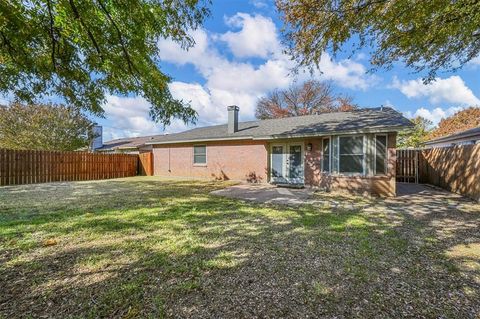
x=29 y=167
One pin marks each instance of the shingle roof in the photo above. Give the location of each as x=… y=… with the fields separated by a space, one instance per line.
x=126 y=143
x=361 y=120
x=474 y=132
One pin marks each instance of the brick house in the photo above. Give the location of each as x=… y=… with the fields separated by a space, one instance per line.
x=345 y=150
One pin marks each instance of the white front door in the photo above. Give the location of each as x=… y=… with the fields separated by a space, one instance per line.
x=286 y=163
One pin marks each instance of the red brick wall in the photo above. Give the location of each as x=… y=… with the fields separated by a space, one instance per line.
x=378 y=185
x=235 y=160
x=248 y=160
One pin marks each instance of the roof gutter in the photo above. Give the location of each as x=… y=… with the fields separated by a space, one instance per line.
x=202 y=140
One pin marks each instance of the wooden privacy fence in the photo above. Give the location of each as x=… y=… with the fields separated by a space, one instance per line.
x=28 y=167
x=145 y=164
x=454 y=168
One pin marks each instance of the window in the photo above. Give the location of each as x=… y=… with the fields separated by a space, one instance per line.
x=200 y=154
x=351 y=154
x=380 y=154
x=326 y=155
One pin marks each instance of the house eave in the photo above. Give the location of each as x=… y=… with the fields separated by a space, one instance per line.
x=201 y=140
x=452 y=139
x=117 y=148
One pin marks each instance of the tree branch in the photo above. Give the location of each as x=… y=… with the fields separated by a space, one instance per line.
x=11 y=49
x=52 y=35
x=89 y=33
x=131 y=66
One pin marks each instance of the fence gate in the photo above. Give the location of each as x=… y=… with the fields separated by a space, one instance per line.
x=407 y=166
x=145 y=164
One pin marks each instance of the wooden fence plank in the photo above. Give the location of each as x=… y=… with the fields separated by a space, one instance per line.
x=454 y=168
x=31 y=166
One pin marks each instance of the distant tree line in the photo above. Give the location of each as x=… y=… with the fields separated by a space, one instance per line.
x=424 y=130
x=44 y=127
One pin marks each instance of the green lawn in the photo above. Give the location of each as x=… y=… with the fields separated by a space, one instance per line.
x=145 y=247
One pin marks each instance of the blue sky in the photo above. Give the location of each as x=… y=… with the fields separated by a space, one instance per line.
x=238 y=58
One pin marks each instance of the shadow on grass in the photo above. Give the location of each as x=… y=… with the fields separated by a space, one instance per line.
x=169 y=249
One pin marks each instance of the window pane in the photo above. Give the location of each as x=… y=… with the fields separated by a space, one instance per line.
x=334 y=154
x=326 y=155
x=326 y=146
x=351 y=164
x=199 y=150
x=199 y=159
x=381 y=154
x=351 y=145
x=200 y=154
x=351 y=154
x=326 y=163
x=277 y=161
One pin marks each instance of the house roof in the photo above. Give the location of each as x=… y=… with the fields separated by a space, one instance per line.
x=359 y=121
x=473 y=133
x=126 y=143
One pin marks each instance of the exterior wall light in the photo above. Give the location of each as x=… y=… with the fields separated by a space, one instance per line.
x=309 y=147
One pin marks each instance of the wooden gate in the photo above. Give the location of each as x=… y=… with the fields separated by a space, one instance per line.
x=145 y=164
x=407 y=166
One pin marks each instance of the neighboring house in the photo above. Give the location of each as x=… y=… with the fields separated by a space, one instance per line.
x=344 y=150
x=128 y=145
x=467 y=137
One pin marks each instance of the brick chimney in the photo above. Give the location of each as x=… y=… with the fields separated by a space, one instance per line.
x=233 y=119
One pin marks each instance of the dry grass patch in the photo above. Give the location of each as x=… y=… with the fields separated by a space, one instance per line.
x=146 y=247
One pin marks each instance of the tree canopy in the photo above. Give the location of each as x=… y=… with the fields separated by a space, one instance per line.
x=426 y=35
x=82 y=50
x=460 y=121
x=310 y=97
x=417 y=136
x=44 y=127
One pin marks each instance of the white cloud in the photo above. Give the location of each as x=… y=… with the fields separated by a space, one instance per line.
x=475 y=62
x=229 y=81
x=200 y=100
x=128 y=117
x=449 y=90
x=434 y=115
x=345 y=73
x=259 y=4
x=257 y=36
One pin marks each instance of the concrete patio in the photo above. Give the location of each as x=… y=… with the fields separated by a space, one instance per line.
x=418 y=197
x=269 y=194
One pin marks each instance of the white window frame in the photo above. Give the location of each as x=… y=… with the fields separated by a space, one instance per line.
x=375 y=155
x=193 y=155
x=363 y=154
x=329 y=138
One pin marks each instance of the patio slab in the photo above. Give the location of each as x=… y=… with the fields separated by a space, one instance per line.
x=269 y=194
x=416 y=198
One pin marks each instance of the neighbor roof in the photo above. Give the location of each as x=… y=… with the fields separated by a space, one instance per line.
x=473 y=133
x=362 y=120
x=126 y=143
